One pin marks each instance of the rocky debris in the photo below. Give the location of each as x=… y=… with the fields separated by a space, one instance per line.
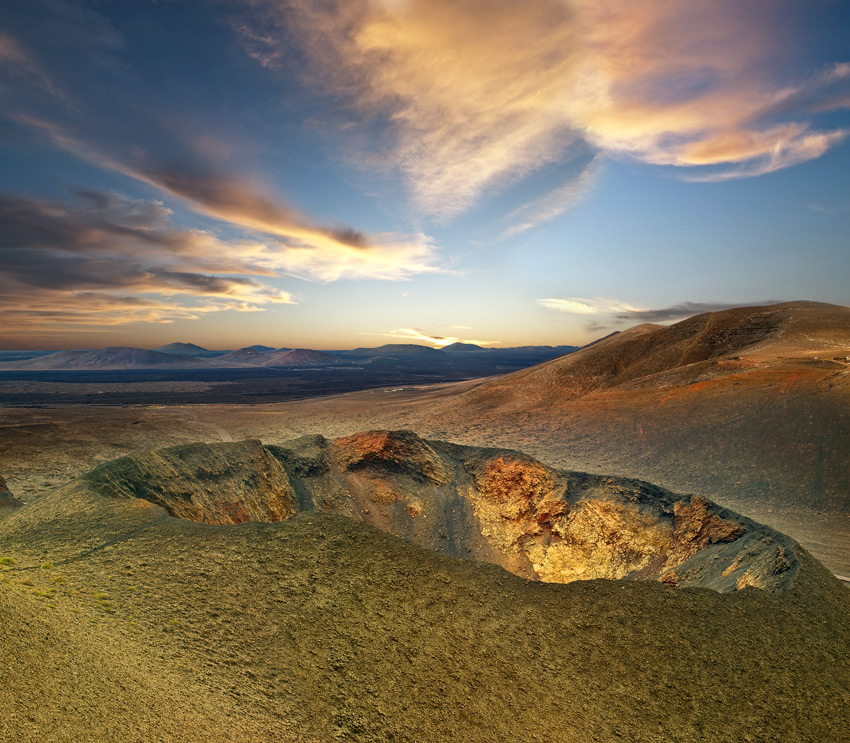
x=490 y=505
x=604 y=539
x=7 y=500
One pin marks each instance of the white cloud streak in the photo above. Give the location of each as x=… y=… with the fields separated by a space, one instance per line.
x=555 y=203
x=439 y=341
x=585 y=306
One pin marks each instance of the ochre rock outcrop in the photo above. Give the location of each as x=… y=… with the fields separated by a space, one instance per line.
x=491 y=505
x=7 y=500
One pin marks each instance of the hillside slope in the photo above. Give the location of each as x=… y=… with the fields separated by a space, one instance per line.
x=701 y=347
x=300 y=357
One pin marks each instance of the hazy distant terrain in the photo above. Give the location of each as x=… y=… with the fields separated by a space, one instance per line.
x=133 y=376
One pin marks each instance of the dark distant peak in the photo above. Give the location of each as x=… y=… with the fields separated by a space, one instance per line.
x=262 y=349
x=463 y=348
x=398 y=349
x=282 y=348
x=182 y=349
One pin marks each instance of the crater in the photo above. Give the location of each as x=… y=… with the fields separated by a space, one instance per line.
x=492 y=505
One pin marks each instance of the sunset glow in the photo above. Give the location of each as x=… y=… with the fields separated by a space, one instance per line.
x=303 y=174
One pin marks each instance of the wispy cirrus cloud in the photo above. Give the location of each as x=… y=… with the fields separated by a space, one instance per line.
x=476 y=95
x=586 y=306
x=301 y=247
x=440 y=341
x=91 y=104
x=555 y=203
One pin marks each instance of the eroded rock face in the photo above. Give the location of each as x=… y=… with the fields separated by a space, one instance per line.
x=7 y=500
x=491 y=505
x=604 y=539
x=212 y=484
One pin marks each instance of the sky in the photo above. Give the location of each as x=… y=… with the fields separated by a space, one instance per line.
x=341 y=173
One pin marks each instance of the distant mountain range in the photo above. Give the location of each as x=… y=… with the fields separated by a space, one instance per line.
x=192 y=356
x=115 y=357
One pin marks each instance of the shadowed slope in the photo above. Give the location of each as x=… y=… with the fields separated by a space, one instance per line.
x=215 y=484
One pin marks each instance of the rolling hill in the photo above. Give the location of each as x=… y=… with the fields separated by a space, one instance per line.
x=398 y=349
x=246 y=356
x=699 y=348
x=462 y=348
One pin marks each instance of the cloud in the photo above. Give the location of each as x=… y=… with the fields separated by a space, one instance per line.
x=104 y=259
x=49 y=312
x=476 y=95
x=594 y=327
x=17 y=64
x=832 y=211
x=303 y=249
x=620 y=311
x=585 y=306
x=685 y=310
x=414 y=334
x=554 y=203
x=94 y=109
